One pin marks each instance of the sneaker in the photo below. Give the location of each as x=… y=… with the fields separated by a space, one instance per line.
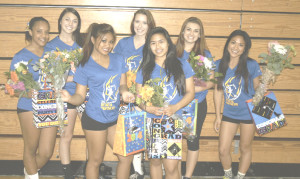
x=185 y=177
x=68 y=172
x=136 y=175
x=228 y=174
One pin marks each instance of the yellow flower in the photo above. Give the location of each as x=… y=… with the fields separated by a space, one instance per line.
x=148 y=104
x=57 y=53
x=147 y=93
x=24 y=72
x=130 y=78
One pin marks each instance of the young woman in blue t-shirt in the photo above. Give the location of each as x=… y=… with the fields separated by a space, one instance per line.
x=132 y=49
x=192 y=38
x=104 y=73
x=38 y=143
x=160 y=61
x=69 y=24
x=238 y=83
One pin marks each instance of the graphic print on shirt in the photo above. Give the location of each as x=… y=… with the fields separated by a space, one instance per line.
x=132 y=63
x=44 y=83
x=110 y=94
x=170 y=91
x=232 y=88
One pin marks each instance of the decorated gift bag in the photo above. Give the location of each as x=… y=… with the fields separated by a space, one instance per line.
x=189 y=117
x=164 y=138
x=44 y=109
x=267 y=115
x=130 y=132
x=81 y=107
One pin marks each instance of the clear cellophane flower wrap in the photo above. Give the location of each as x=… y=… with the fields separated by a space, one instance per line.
x=278 y=58
x=203 y=67
x=55 y=66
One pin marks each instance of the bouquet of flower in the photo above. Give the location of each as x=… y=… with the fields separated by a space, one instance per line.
x=74 y=57
x=277 y=59
x=55 y=64
x=55 y=67
x=20 y=80
x=151 y=94
x=202 y=67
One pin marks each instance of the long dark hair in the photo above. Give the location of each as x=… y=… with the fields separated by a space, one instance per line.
x=173 y=66
x=96 y=31
x=76 y=34
x=150 y=20
x=30 y=25
x=242 y=70
x=200 y=44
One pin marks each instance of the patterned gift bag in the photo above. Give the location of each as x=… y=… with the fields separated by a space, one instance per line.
x=44 y=109
x=130 y=132
x=267 y=115
x=164 y=138
x=81 y=107
x=189 y=117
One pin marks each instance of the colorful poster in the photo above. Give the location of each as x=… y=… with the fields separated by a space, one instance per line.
x=267 y=115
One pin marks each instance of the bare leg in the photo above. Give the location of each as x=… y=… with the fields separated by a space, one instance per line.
x=179 y=167
x=80 y=115
x=42 y=140
x=31 y=137
x=123 y=168
x=66 y=138
x=156 y=168
x=171 y=168
x=227 y=132
x=96 y=144
x=246 y=137
x=191 y=162
x=46 y=146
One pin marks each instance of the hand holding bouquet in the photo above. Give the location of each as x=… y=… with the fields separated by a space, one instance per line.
x=202 y=67
x=276 y=60
x=55 y=67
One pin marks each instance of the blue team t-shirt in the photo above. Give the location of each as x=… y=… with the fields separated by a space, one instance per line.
x=133 y=56
x=202 y=94
x=26 y=55
x=171 y=95
x=235 y=95
x=103 y=83
x=57 y=43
